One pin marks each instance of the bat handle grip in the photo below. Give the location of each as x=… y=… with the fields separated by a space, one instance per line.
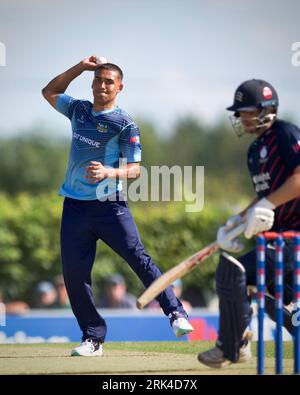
x=236 y=231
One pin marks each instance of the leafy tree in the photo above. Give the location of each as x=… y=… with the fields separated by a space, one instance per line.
x=33 y=163
x=30 y=245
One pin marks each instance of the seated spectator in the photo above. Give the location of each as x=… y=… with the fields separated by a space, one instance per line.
x=14 y=307
x=116 y=296
x=62 y=300
x=46 y=295
x=177 y=288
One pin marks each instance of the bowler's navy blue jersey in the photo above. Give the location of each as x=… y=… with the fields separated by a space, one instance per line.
x=105 y=137
x=272 y=158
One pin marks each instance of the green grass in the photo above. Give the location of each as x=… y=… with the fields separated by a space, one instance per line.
x=126 y=358
x=190 y=347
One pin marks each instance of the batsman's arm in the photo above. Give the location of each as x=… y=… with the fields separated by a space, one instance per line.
x=289 y=190
x=60 y=83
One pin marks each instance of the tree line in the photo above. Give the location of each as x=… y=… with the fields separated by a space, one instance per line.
x=35 y=162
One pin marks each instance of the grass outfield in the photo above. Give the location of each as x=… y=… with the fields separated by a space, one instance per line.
x=127 y=358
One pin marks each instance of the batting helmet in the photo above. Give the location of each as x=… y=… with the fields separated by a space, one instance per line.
x=254 y=95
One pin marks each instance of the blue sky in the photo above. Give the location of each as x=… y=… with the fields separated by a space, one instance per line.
x=178 y=57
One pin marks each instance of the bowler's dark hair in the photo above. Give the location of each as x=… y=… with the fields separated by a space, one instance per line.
x=112 y=67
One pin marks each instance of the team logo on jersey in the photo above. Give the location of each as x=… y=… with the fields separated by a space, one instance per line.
x=134 y=139
x=102 y=128
x=267 y=93
x=263 y=153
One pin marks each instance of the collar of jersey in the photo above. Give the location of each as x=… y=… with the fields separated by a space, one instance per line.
x=95 y=114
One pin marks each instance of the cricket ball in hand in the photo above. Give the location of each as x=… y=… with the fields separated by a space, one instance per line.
x=101 y=60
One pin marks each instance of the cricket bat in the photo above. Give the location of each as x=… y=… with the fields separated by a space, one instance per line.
x=183 y=268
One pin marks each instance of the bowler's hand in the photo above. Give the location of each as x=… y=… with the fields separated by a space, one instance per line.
x=90 y=63
x=96 y=172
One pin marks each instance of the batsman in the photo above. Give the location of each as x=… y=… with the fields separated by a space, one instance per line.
x=274 y=166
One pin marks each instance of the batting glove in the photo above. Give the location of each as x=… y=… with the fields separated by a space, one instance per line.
x=227 y=244
x=259 y=218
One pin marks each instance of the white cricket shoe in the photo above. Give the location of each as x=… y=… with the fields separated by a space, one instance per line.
x=88 y=348
x=180 y=324
x=215 y=359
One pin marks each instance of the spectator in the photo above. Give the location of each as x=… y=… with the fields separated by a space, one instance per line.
x=46 y=295
x=116 y=296
x=177 y=289
x=62 y=301
x=14 y=307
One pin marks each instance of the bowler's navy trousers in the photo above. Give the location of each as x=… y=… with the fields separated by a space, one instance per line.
x=85 y=222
